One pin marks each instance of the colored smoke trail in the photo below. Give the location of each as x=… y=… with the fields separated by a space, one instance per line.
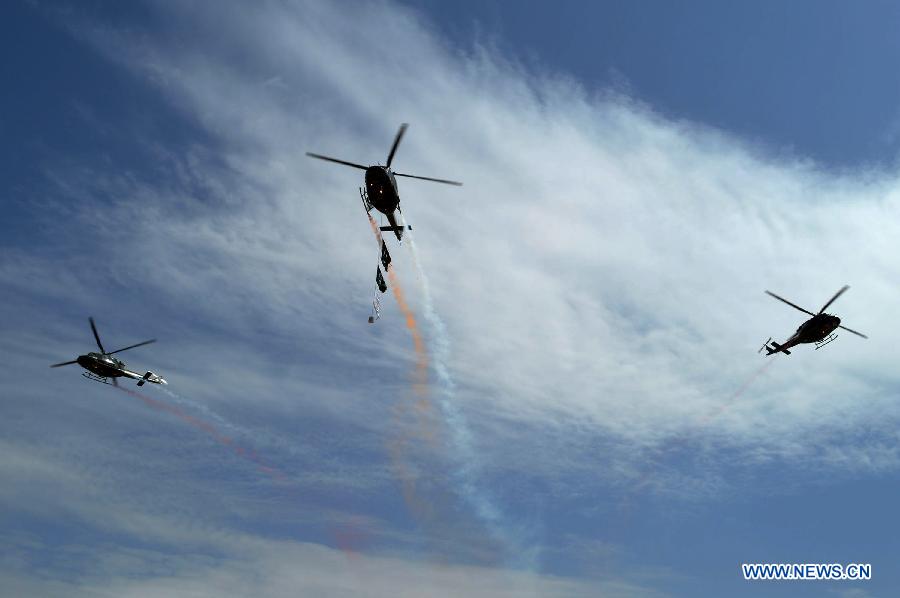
x=402 y=445
x=429 y=511
x=467 y=458
x=204 y=426
x=683 y=439
x=349 y=537
x=703 y=421
x=421 y=374
x=221 y=422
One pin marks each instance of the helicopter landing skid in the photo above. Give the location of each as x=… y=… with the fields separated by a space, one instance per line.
x=96 y=378
x=365 y=199
x=825 y=341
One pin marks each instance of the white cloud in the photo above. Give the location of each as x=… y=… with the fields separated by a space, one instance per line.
x=607 y=264
x=282 y=569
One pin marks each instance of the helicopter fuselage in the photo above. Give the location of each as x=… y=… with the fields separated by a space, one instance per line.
x=106 y=366
x=814 y=330
x=381 y=187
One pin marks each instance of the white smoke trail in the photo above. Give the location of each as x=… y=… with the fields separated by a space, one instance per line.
x=468 y=460
x=206 y=411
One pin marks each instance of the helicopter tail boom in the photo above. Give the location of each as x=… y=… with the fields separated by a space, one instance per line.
x=775 y=348
x=395 y=228
x=151 y=377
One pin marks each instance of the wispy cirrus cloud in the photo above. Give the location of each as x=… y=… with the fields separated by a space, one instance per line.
x=593 y=245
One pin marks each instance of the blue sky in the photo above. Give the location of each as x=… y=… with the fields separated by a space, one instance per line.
x=591 y=300
x=815 y=79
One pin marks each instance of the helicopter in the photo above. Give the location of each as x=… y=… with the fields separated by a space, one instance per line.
x=101 y=366
x=819 y=329
x=381 y=191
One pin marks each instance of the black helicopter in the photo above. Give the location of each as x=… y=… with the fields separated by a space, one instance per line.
x=381 y=186
x=102 y=365
x=819 y=329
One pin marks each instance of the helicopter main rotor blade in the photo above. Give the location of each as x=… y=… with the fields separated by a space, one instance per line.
x=789 y=303
x=425 y=178
x=397 y=139
x=344 y=162
x=59 y=365
x=132 y=346
x=853 y=331
x=96 y=336
x=836 y=295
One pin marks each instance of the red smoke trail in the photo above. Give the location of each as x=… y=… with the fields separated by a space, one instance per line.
x=204 y=426
x=403 y=446
x=433 y=508
x=683 y=439
x=717 y=411
x=350 y=537
x=421 y=373
x=347 y=538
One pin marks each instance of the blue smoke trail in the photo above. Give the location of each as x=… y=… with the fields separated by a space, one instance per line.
x=467 y=474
